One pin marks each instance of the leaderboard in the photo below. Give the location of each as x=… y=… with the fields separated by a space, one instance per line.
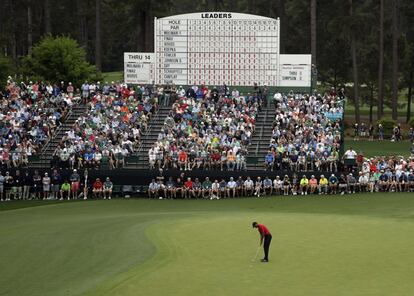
x=139 y=67
x=217 y=48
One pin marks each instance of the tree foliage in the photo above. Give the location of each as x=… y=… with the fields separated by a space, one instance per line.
x=6 y=69
x=127 y=25
x=57 y=59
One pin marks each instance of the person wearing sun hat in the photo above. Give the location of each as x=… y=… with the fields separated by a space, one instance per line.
x=75 y=183
x=107 y=188
x=46 y=181
x=97 y=188
x=304 y=183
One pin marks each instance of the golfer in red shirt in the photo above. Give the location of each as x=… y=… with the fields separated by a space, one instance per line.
x=264 y=236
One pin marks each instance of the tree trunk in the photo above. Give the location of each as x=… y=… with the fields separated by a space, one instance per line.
x=148 y=28
x=98 y=44
x=13 y=43
x=380 y=107
x=142 y=30
x=29 y=28
x=283 y=25
x=83 y=25
x=410 y=88
x=251 y=7
x=313 y=30
x=206 y=5
x=232 y=5
x=46 y=10
x=395 y=35
x=217 y=5
x=354 y=68
x=371 y=103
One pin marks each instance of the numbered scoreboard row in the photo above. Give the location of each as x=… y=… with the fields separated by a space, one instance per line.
x=215 y=82
x=218 y=71
x=201 y=52
x=211 y=24
x=221 y=55
x=218 y=66
x=204 y=22
x=213 y=67
x=215 y=33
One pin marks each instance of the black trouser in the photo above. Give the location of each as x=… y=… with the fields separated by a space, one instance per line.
x=266 y=245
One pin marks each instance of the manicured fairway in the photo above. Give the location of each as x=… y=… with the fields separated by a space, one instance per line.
x=342 y=245
x=379 y=148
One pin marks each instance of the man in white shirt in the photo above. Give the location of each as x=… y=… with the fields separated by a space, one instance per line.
x=153 y=189
x=350 y=158
x=97 y=157
x=152 y=156
x=231 y=188
x=85 y=90
x=215 y=188
x=277 y=97
x=277 y=185
x=248 y=187
x=350 y=154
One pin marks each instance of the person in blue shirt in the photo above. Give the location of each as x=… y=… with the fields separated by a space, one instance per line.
x=294 y=161
x=403 y=184
x=393 y=181
x=56 y=90
x=267 y=186
x=269 y=161
x=383 y=181
x=333 y=184
x=388 y=173
x=410 y=181
x=88 y=157
x=199 y=94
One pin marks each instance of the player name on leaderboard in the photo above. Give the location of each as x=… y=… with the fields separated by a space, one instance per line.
x=217 y=48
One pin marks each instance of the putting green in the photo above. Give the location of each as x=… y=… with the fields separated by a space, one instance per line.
x=342 y=245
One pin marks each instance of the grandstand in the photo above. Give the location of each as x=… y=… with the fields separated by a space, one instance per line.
x=302 y=133
x=135 y=169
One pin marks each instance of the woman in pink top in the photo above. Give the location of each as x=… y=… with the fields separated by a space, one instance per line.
x=313 y=184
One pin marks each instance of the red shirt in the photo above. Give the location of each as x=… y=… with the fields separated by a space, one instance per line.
x=188 y=184
x=97 y=185
x=215 y=156
x=182 y=156
x=263 y=229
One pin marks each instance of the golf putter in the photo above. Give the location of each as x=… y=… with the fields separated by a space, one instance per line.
x=255 y=256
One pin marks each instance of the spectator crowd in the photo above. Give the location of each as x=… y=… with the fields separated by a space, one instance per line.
x=110 y=130
x=29 y=115
x=379 y=174
x=306 y=133
x=206 y=129
x=362 y=131
x=19 y=185
x=388 y=180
